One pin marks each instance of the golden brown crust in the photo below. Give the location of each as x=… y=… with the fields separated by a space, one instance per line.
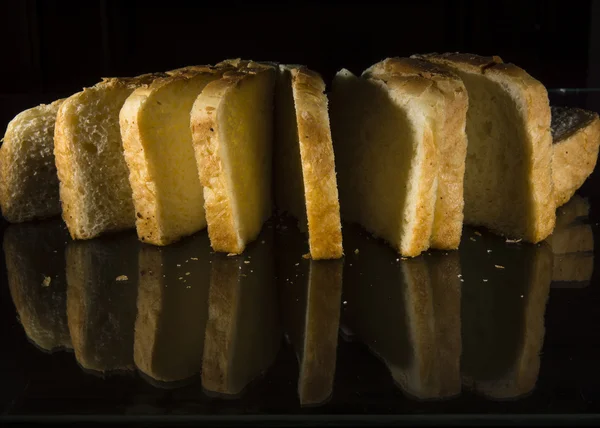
x=573 y=160
x=222 y=228
x=451 y=147
x=531 y=99
x=318 y=165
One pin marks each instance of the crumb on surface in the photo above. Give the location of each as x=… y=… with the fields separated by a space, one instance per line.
x=247 y=262
x=513 y=241
x=473 y=239
x=193 y=258
x=306 y=256
x=478 y=233
x=122 y=278
x=46 y=281
x=499 y=266
x=356 y=251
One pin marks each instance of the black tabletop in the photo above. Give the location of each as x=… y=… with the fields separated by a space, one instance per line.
x=114 y=327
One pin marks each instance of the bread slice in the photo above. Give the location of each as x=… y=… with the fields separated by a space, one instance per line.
x=243 y=333
x=172 y=309
x=35 y=269
x=408 y=312
x=102 y=285
x=508 y=175
x=28 y=180
x=94 y=180
x=502 y=314
x=450 y=139
x=157 y=142
x=576 y=139
x=304 y=167
x=384 y=143
x=310 y=296
x=231 y=124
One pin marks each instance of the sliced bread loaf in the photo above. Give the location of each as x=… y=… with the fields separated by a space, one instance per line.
x=576 y=139
x=304 y=168
x=231 y=124
x=94 y=179
x=157 y=142
x=508 y=176
x=384 y=143
x=28 y=180
x=450 y=139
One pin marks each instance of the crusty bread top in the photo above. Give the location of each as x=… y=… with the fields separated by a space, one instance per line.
x=566 y=121
x=470 y=62
x=410 y=67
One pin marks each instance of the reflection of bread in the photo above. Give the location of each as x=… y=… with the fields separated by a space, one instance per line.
x=408 y=313
x=28 y=180
x=576 y=208
x=508 y=172
x=383 y=134
x=94 y=178
x=35 y=266
x=503 y=314
x=576 y=138
x=573 y=267
x=305 y=181
x=172 y=308
x=231 y=124
x=451 y=142
x=310 y=298
x=157 y=142
x=242 y=332
x=101 y=303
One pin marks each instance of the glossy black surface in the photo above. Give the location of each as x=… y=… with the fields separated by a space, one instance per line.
x=124 y=328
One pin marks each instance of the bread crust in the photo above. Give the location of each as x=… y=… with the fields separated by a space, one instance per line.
x=318 y=164
x=574 y=159
x=218 y=204
x=531 y=98
x=451 y=148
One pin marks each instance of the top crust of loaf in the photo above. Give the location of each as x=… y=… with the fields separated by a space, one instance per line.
x=567 y=121
x=451 y=146
x=218 y=202
x=318 y=165
x=531 y=99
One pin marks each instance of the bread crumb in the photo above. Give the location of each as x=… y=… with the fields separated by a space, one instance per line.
x=178 y=265
x=513 y=241
x=356 y=251
x=46 y=281
x=122 y=278
x=345 y=302
x=247 y=262
x=499 y=266
x=251 y=271
x=489 y=251
x=231 y=254
x=187 y=273
x=262 y=242
x=473 y=239
x=193 y=258
x=306 y=256
x=460 y=275
x=397 y=260
x=181 y=277
x=485 y=280
x=477 y=233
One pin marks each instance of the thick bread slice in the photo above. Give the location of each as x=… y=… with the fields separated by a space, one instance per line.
x=172 y=309
x=304 y=177
x=450 y=139
x=94 y=179
x=28 y=180
x=157 y=142
x=384 y=143
x=231 y=124
x=508 y=176
x=35 y=270
x=576 y=139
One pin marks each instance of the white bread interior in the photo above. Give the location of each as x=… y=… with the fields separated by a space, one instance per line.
x=94 y=179
x=508 y=177
x=450 y=137
x=157 y=142
x=232 y=127
x=304 y=167
x=384 y=146
x=28 y=180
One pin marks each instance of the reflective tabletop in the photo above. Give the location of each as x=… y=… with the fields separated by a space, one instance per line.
x=112 y=326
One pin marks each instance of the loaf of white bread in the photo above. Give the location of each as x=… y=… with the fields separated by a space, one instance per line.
x=400 y=134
